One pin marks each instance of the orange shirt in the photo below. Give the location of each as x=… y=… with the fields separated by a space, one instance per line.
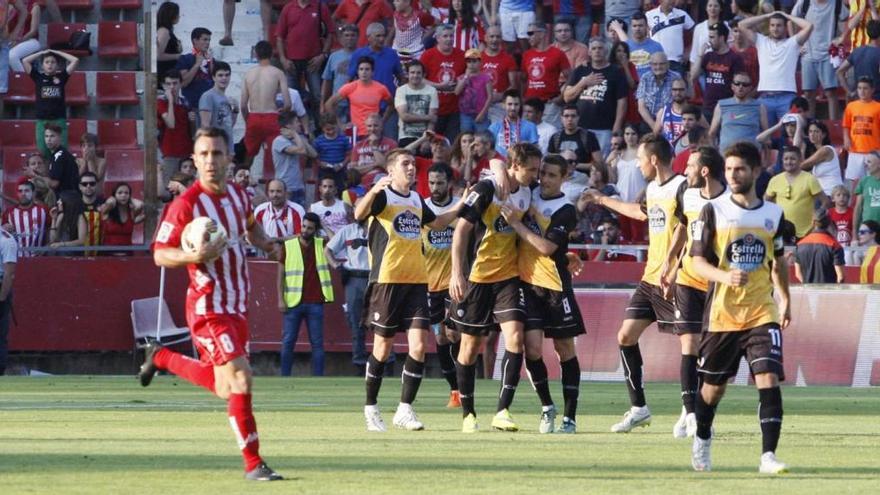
x=364 y=100
x=870 y=271
x=863 y=123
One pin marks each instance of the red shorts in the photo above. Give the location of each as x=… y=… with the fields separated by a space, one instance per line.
x=261 y=128
x=219 y=338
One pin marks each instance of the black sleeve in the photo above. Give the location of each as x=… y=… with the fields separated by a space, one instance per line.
x=428 y=214
x=704 y=235
x=379 y=203
x=779 y=238
x=34 y=73
x=552 y=146
x=576 y=75
x=592 y=144
x=679 y=203
x=644 y=204
x=621 y=86
x=477 y=201
x=562 y=223
x=56 y=170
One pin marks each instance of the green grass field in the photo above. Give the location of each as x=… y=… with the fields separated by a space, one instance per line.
x=107 y=435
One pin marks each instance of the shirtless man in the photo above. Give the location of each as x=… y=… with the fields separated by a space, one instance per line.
x=258 y=108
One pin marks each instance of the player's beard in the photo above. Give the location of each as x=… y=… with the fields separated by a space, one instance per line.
x=742 y=188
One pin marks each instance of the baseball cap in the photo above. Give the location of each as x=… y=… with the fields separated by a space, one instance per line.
x=789 y=118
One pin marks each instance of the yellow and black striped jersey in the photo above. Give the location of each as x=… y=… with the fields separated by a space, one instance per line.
x=692 y=204
x=553 y=219
x=437 y=248
x=663 y=206
x=396 y=238
x=493 y=255
x=733 y=237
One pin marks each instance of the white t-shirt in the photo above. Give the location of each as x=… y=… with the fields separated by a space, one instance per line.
x=777 y=63
x=333 y=217
x=630 y=181
x=545 y=131
x=668 y=30
x=417 y=101
x=828 y=173
x=700 y=38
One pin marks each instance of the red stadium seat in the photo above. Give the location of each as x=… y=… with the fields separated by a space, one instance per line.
x=137 y=188
x=13 y=167
x=118 y=39
x=835 y=131
x=59 y=33
x=17 y=133
x=116 y=88
x=21 y=89
x=75 y=92
x=75 y=130
x=117 y=134
x=122 y=4
x=72 y=4
x=124 y=165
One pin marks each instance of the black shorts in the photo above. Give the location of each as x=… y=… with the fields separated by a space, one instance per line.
x=392 y=308
x=438 y=304
x=554 y=312
x=648 y=303
x=720 y=353
x=486 y=305
x=690 y=305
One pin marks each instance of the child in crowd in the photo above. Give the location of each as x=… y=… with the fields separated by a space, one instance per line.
x=333 y=149
x=411 y=27
x=50 y=82
x=475 y=94
x=842 y=216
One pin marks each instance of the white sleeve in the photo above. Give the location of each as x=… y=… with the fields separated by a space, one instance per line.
x=296 y=103
x=8 y=250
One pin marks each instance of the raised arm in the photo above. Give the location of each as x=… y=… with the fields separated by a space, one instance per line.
x=747 y=26
x=631 y=210
x=805 y=27
x=362 y=210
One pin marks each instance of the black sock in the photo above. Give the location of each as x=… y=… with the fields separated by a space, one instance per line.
x=705 y=414
x=538 y=375
x=688 y=381
x=511 y=367
x=571 y=385
x=375 y=371
x=411 y=378
x=447 y=365
x=770 y=413
x=467 y=375
x=632 y=371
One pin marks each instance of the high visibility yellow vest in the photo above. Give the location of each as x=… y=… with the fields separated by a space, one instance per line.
x=294 y=269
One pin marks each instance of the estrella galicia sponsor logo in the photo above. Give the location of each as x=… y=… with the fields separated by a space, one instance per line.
x=532 y=225
x=746 y=253
x=440 y=239
x=656 y=219
x=407 y=224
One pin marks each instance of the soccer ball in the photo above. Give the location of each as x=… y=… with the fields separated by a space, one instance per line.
x=200 y=231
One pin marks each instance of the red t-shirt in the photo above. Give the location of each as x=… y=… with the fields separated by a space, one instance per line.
x=681 y=161
x=362 y=155
x=483 y=164
x=543 y=72
x=422 y=166
x=844 y=223
x=299 y=27
x=498 y=67
x=377 y=11
x=440 y=68
x=175 y=142
x=632 y=107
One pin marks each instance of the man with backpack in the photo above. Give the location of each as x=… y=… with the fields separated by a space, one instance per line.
x=576 y=139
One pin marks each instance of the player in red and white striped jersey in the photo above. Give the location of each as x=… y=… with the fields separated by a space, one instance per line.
x=27 y=221
x=217 y=299
x=279 y=217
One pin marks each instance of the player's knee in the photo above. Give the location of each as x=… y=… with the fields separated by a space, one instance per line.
x=417 y=350
x=564 y=349
x=624 y=337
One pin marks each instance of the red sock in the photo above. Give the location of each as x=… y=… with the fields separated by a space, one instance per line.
x=189 y=369
x=241 y=418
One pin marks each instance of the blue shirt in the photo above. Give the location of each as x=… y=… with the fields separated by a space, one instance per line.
x=517 y=6
x=332 y=151
x=336 y=69
x=656 y=95
x=640 y=54
x=528 y=133
x=387 y=65
x=201 y=82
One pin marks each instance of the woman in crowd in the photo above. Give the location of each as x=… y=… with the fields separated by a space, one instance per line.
x=469 y=30
x=462 y=150
x=624 y=171
x=168 y=47
x=620 y=56
x=69 y=226
x=27 y=40
x=820 y=158
x=120 y=213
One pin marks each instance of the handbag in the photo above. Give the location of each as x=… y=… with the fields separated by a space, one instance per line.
x=81 y=40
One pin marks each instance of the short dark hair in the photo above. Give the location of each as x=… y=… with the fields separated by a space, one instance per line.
x=691 y=110
x=366 y=60
x=720 y=29
x=511 y=92
x=198 y=33
x=657 y=145
x=696 y=133
x=638 y=16
x=49 y=55
x=263 y=50
x=212 y=132
x=621 y=21
x=220 y=65
x=415 y=63
x=442 y=168
x=792 y=149
x=778 y=16
x=88 y=174
x=874 y=227
x=712 y=159
x=535 y=103
x=53 y=127
x=519 y=153
x=801 y=103
x=867 y=80
x=746 y=152
x=570 y=106
x=557 y=160
x=328 y=118
x=873 y=29
x=314 y=218
x=171 y=74
x=285 y=118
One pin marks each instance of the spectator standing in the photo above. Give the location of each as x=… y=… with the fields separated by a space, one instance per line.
x=24 y=29
x=533 y=111
x=335 y=73
x=572 y=137
x=197 y=68
x=368 y=155
x=669 y=121
x=362 y=13
x=468 y=26
x=655 y=88
x=631 y=184
x=8 y=260
x=864 y=62
x=280 y=217
x=258 y=108
x=545 y=67
x=63 y=171
x=331 y=211
x=365 y=97
x=304 y=37
x=745 y=48
x=869 y=235
x=119 y=214
x=8 y=27
x=819 y=258
x=668 y=26
x=50 y=81
x=501 y=66
x=796 y=192
x=27 y=220
x=409 y=29
x=387 y=68
x=641 y=46
x=820 y=158
x=828 y=19
x=861 y=124
x=443 y=65
x=416 y=104
x=241 y=176
x=90 y=161
x=620 y=56
x=717 y=63
x=601 y=91
x=861 y=13
x=175 y=120
x=474 y=91
x=740 y=118
x=304 y=288
x=576 y=52
x=515 y=18
x=287 y=148
x=215 y=108
x=841 y=215
x=512 y=129
x=168 y=47
x=867 y=206
x=700 y=37
x=777 y=59
x=347 y=250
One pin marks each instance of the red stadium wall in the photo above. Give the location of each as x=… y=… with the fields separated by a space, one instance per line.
x=74 y=304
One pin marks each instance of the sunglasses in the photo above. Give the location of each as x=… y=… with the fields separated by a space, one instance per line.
x=88 y=184
x=864 y=231
x=742 y=84
x=532 y=33
x=788 y=192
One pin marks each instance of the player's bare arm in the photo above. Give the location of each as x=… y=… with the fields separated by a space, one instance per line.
x=673 y=261
x=514 y=219
x=463 y=229
x=362 y=210
x=631 y=210
x=733 y=278
x=779 y=276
